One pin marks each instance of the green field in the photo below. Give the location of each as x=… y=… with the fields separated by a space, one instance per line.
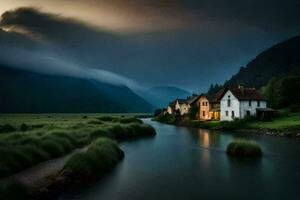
x=291 y=120
x=28 y=139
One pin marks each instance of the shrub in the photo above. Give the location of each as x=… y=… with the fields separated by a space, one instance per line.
x=167 y=118
x=106 y=118
x=14 y=190
x=244 y=148
x=23 y=127
x=128 y=120
x=7 y=128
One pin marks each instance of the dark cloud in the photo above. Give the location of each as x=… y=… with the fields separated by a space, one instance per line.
x=225 y=36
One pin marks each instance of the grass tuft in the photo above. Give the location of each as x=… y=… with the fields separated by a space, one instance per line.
x=13 y=190
x=244 y=148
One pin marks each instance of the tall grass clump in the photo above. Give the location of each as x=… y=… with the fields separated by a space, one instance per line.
x=167 y=118
x=6 y=128
x=244 y=148
x=14 y=190
x=100 y=156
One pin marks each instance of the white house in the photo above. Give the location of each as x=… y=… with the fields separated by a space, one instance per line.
x=240 y=102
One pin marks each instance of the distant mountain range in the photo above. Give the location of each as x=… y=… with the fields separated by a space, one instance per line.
x=161 y=96
x=279 y=60
x=24 y=91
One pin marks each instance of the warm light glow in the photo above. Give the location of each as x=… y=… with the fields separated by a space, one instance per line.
x=113 y=15
x=204 y=138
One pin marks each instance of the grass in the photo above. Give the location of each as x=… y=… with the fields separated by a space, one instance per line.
x=280 y=122
x=13 y=190
x=100 y=157
x=244 y=148
x=34 y=138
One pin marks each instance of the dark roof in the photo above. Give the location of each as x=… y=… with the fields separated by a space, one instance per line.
x=214 y=98
x=244 y=93
x=192 y=99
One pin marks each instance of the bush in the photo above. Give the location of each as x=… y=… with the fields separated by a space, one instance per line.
x=7 y=128
x=167 y=118
x=128 y=120
x=106 y=118
x=13 y=190
x=244 y=148
x=24 y=127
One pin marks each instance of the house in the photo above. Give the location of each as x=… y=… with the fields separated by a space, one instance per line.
x=181 y=106
x=240 y=102
x=208 y=106
x=178 y=106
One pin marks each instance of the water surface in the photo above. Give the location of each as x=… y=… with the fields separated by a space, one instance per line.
x=182 y=163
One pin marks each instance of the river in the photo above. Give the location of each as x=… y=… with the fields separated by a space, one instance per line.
x=182 y=163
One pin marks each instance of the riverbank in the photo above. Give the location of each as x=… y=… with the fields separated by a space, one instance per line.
x=28 y=141
x=285 y=125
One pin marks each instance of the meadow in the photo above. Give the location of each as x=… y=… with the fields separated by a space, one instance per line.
x=28 y=139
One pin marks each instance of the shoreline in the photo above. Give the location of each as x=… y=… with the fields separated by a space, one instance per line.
x=258 y=131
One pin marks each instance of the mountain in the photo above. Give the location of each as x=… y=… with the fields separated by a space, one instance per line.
x=24 y=91
x=281 y=59
x=162 y=95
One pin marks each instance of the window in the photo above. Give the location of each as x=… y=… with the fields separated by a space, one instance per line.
x=228 y=103
x=203 y=103
x=206 y=103
x=258 y=103
x=203 y=113
x=250 y=103
x=248 y=112
x=226 y=113
x=232 y=114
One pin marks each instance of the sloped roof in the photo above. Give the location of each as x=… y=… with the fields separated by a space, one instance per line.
x=244 y=93
x=192 y=99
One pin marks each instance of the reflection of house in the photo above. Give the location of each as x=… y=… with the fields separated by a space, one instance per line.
x=240 y=102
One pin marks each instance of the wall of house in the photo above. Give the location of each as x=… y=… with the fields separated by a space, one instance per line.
x=234 y=107
x=169 y=110
x=244 y=107
x=203 y=108
x=184 y=108
x=177 y=106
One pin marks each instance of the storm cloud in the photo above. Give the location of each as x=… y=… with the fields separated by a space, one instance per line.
x=189 y=43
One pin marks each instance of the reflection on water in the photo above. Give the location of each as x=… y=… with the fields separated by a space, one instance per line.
x=181 y=163
x=203 y=137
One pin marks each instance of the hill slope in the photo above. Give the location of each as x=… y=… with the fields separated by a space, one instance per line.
x=281 y=59
x=24 y=91
x=162 y=95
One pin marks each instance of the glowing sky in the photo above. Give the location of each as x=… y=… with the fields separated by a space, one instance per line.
x=115 y=15
x=186 y=43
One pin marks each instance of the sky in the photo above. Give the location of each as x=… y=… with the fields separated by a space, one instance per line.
x=185 y=43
